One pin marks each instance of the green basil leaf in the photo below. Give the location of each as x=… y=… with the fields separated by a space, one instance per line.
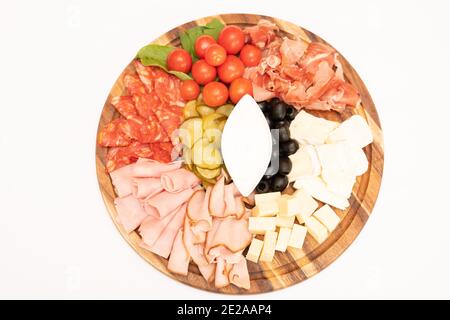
x=180 y=75
x=188 y=37
x=213 y=28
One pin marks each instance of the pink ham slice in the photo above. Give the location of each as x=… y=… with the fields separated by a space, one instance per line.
x=178 y=180
x=198 y=207
x=146 y=187
x=130 y=212
x=146 y=168
x=152 y=227
x=216 y=200
x=164 y=243
x=239 y=275
x=121 y=179
x=179 y=257
x=225 y=253
x=221 y=275
x=165 y=202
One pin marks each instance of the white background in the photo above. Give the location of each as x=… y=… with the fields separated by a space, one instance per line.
x=58 y=62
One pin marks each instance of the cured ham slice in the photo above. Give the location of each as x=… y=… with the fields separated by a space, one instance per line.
x=165 y=202
x=198 y=206
x=292 y=50
x=224 y=253
x=164 y=243
x=130 y=212
x=178 y=180
x=221 y=275
x=226 y=232
x=122 y=180
x=152 y=227
x=261 y=34
x=179 y=257
x=216 y=200
x=239 y=275
x=147 y=168
x=112 y=135
x=146 y=187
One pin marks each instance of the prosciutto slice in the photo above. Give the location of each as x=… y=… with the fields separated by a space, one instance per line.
x=146 y=187
x=165 y=202
x=179 y=256
x=178 y=180
x=130 y=212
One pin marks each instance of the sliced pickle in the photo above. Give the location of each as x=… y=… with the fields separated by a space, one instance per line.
x=222 y=124
x=190 y=110
x=208 y=174
x=213 y=135
x=205 y=111
x=212 y=120
x=190 y=131
x=206 y=155
x=187 y=156
x=225 y=109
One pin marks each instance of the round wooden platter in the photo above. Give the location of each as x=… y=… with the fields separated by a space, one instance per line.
x=294 y=265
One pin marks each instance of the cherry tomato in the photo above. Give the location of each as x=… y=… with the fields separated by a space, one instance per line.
x=250 y=55
x=202 y=72
x=202 y=43
x=179 y=60
x=189 y=90
x=231 y=69
x=232 y=39
x=240 y=87
x=215 y=55
x=215 y=94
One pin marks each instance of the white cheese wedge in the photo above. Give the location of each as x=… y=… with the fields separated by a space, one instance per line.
x=268 y=250
x=307 y=205
x=304 y=163
x=354 y=130
x=316 y=187
x=308 y=129
x=254 y=250
x=260 y=225
x=297 y=237
x=283 y=239
x=267 y=197
x=285 y=222
x=316 y=229
x=327 y=217
x=246 y=153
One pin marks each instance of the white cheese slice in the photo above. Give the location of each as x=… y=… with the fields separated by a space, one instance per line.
x=297 y=237
x=285 y=222
x=268 y=250
x=316 y=187
x=254 y=250
x=342 y=186
x=307 y=205
x=283 y=239
x=308 y=129
x=354 y=130
x=304 y=163
x=260 y=225
x=246 y=153
x=316 y=229
x=327 y=217
x=267 y=197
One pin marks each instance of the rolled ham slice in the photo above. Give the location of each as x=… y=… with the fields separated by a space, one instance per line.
x=147 y=168
x=146 y=187
x=164 y=243
x=198 y=208
x=224 y=253
x=152 y=227
x=239 y=275
x=130 y=212
x=230 y=232
x=165 y=202
x=121 y=179
x=178 y=180
x=179 y=256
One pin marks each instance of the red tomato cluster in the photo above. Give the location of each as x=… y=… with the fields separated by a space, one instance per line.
x=217 y=59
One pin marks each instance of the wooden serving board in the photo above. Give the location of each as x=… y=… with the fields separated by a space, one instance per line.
x=295 y=265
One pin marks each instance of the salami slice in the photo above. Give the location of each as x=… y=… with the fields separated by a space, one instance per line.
x=133 y=84
x=170 y=118
x=112 y=134
x=125 y=106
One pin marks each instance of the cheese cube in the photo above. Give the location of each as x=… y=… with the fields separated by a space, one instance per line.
x=307 y=205
x=327 y=217
x=283 y=239
x=286 y=222
x=254 y=250
x=297 y=237
x=267 y=197
x=289 y=205
x=265 y=209
x=316 y=229
x=260 y=225
x=268 y=250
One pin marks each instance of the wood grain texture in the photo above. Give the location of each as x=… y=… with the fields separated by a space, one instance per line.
x=295 y=265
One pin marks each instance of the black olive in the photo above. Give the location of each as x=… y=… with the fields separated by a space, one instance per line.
x=269 y=121
x=291 y=112
x=279 y=124
x=285 y=165
x=263 y=186
x=289 y=147
x=264 y=106
x=274 y=101
x=279 y=182
x=270 y=172
x=284 y=134
x=278 y=112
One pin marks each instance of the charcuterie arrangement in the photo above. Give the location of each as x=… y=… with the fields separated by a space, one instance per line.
x=219 y=156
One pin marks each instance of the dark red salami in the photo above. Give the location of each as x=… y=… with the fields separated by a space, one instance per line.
x=112 y=135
